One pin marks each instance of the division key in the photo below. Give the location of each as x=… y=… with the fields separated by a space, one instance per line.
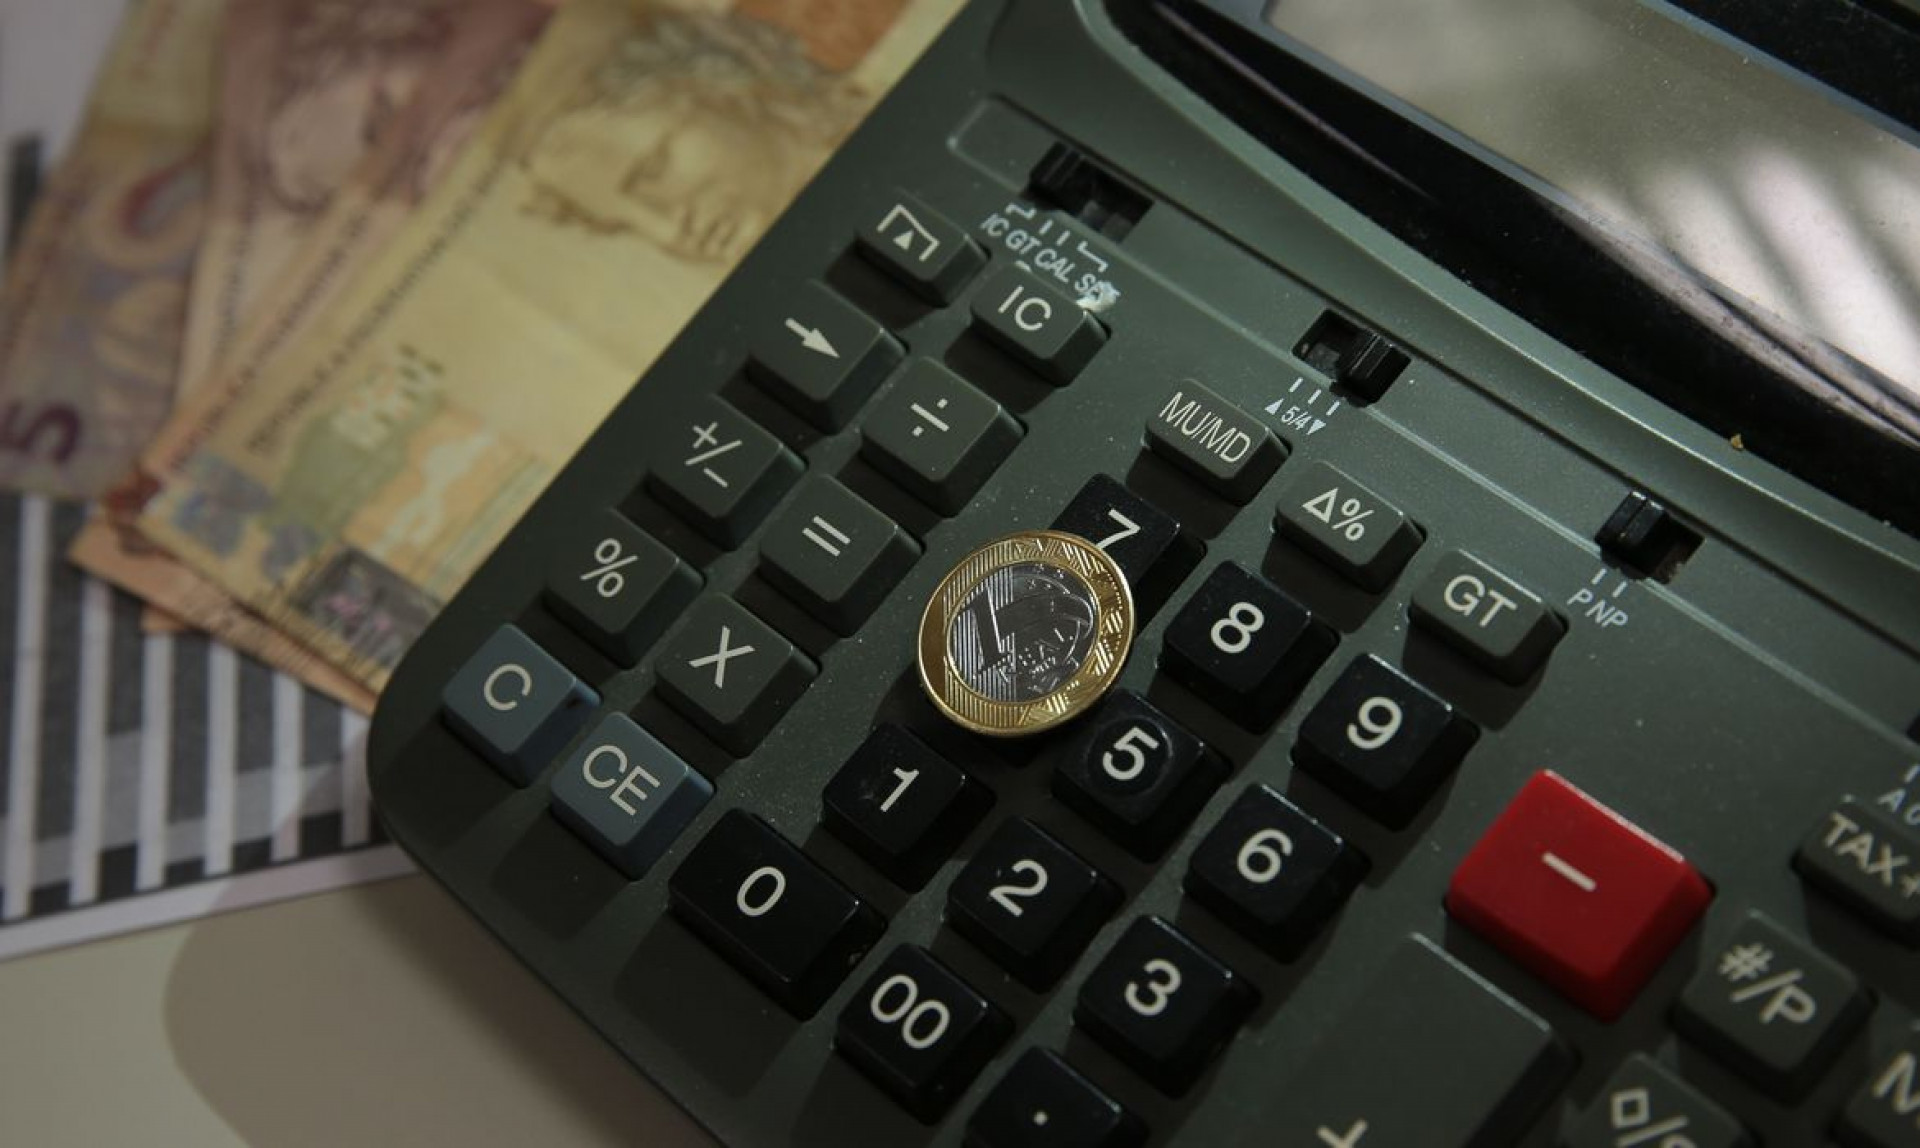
x=1429 y=1055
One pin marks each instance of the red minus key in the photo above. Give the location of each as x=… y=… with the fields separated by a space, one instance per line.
x=1583 y=898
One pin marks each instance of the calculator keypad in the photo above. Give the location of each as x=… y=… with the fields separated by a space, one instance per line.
x=1131 y=770
x=1030 y=902
x=835 y=554
x=1273 y=872
x=1036 y=897
x=1162 y=1004
x=626 y=794
x=721 y=471
x=1349 y=527
x=1213 y=440
x=1771 y=1006
x=1487 y=616
x=1043 y=1103
x=1573 y=891
x=516 y=704
x=1381 y=740
x=1884 y=1111
x=901 y=806
x=937 y=436
x=1641 y=1096
x=919 y=1031
x=778 y=917
x=618 y=587
x=1243 y=645
x=822 y=356
x=1142 y=539
x=1427 y=1055
x=920 y=248
x=731 y=673
x=1867 y=863
x=1036 y=324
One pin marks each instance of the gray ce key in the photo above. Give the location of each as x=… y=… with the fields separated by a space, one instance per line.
x=627 y=794
x=1487 y=616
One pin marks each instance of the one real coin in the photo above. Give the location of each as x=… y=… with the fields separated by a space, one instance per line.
x=1025 y=633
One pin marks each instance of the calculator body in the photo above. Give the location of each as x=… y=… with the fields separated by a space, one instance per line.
x=1725 y=709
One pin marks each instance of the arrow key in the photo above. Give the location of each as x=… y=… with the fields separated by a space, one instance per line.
x=821 y=355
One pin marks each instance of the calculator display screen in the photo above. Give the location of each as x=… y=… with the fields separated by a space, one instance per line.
x=1651 y=165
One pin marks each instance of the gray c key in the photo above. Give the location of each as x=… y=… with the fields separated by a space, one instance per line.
x=1428 y=1056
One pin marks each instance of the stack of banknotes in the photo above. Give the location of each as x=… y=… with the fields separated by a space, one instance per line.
x=326 y=291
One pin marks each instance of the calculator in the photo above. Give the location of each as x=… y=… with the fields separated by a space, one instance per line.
x=1503 y=417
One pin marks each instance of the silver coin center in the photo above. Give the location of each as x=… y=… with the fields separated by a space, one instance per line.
x=1023 y=632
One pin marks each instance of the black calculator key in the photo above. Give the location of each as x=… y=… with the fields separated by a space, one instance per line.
x=627 y=794
x=733 y=674
x=1427 y=1055
x=618 y=587
x=919 y=1032
x=1043 y=1103
x=821 y=355
x=1639 y=1099
x=773 y=914
x=1487 y=616
x=834 y=554
x=1030 y=902
x=1137 y=535
x=1327 y=513
x=901 y=806
x=1771 y=1006
x=937 y=436
x=1884 y=1111
x=1213 y=440
x=516 y=704
x=1036 y=323
x=1273 y=872
x=1244 y=646
x=920 y=247
x=1132 y=771
x=1382 y=740
x=720 y=470
x=1867 y=862
x=1163 y=1005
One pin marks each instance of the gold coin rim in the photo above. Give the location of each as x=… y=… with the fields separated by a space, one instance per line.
x=1113 y=634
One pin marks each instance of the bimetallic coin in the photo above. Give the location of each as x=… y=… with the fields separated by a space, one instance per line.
x=1026 y=632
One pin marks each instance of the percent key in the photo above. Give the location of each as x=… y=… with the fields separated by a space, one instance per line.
x=618 y=587
x=1327 y=513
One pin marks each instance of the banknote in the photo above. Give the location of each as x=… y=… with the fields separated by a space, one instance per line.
x=388 y=183
x=91 y=314
x=642 y=149
x=306 y=88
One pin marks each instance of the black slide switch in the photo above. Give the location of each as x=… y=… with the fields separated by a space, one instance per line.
x=1362 y=361
x=1066 y=178
x=1644 y=536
